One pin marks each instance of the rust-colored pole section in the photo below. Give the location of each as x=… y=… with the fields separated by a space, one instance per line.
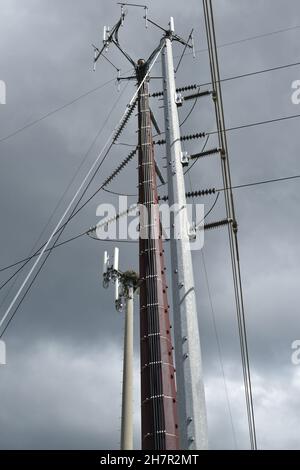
x=158 y=390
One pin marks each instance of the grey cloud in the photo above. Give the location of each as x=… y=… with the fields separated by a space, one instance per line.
x=46 y=61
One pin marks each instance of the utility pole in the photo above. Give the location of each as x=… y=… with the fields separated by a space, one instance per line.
x=127 y=395
x=189 y=375
x=158 y=391
x=125 y=286
x=159 y=419
x=159 y=415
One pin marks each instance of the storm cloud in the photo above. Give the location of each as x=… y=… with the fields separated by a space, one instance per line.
x=62 y=382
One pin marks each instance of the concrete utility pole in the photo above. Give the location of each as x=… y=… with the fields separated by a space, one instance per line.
x=190 y=387
x=127 y=392
x=125 y=286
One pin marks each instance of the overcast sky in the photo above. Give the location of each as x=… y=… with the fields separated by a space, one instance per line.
x=61 y=387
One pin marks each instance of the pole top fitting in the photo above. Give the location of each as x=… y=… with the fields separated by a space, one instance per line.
x=172 y=25
x=130 y=279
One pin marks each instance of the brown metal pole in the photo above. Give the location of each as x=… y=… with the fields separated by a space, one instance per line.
x=158 y=391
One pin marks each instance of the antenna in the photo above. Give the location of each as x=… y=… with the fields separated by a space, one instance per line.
x=106 y=31
x=119 y=80
x=122 y=281
x=106 y=276
x=137 y=6
x=129 y=283
x=116 y=259
x=111 y=35
x=117 y=282
x=172 y=25
x=193 y=45
x=96 y=52
x=105 y=262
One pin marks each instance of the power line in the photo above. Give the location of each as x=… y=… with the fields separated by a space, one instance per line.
x=29 y=258
x=240 y=41
x=258 y=36
x=247 y=185
x=257 y=183
x=257 y=72
x=236 y=187
x=59 y=229
x=37 y=252
x=54 y=111
x=212 y=308
x=191 y=110
x=202 y=150
x=29 y=286
x=214 y=321
x=245 y=75
x=93 y=90
x=250 y=38
x=49 y=251
x=110 y=142
x=210 y=210
x=184 y=50
x=26 y=260
x=235 y=77
x=230 y=212
x=258 y=123
x=117 y=193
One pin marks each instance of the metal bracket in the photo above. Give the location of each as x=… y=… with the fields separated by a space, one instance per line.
x=185 y=158
x=192 y=231
x=193 y=45
x=179 y=99
x=173 y=165
x=119 y=304
x=106 y=31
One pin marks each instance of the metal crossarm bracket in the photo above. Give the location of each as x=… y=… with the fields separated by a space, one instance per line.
x=179 y=99
x=192 y=232
x=185 y=158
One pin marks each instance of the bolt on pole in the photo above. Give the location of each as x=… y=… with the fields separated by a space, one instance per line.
x=190 y=387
